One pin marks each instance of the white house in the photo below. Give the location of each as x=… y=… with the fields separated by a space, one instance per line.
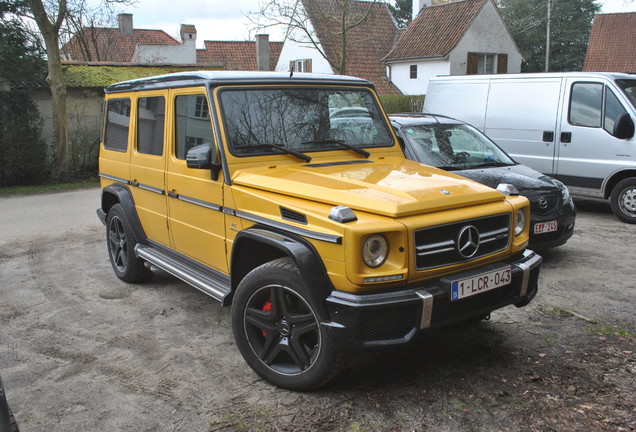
x=458 y=38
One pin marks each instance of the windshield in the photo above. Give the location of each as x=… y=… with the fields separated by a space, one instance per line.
x=629 y=88
x=302 y=119
x=454 y=147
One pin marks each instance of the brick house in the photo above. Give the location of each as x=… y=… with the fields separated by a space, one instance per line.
x=366 y=45
x=612 y=44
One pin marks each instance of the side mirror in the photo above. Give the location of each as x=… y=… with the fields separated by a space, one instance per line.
x=203 y=156
x=624 y=127
x=200 y=157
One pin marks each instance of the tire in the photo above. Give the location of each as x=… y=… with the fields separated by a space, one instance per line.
x=623 y=200
x=12 y=423
x=121 y=241
x=277 y=329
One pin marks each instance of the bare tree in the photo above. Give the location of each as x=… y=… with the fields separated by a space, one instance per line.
x=50 y=17
x=324 y=25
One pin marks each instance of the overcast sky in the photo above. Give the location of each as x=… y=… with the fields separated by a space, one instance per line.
x=225 y=19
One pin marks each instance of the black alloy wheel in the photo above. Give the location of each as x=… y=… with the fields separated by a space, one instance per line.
x=278 y=331
x=121 y=243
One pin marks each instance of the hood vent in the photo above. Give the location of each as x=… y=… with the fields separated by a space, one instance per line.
x=293 y=216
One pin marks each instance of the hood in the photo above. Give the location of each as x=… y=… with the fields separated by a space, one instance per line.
x=527 y=181
x=391 y=186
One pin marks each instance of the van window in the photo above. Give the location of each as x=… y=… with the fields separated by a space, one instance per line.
x=192 y=123
x=613 y=109
x=586 y=104
x=117 y=125
x=629 y=89
x=151 y=116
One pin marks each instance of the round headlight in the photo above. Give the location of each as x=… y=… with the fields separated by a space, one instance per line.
x=520 y=221
x=375 y=250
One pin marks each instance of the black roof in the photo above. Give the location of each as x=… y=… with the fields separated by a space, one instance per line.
x=188 y=79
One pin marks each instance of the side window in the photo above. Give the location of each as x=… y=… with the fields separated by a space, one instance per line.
x=117 y=125
x=192 y=123
x=151 y=117
x=586 y=103
x=613 y=109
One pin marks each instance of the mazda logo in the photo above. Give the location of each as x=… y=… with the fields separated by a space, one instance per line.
x=543 y=203
x=468 y=241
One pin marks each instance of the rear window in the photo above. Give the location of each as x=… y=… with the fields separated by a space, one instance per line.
x=117 y=124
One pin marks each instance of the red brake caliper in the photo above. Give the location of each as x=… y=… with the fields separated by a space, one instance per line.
x=267 y=307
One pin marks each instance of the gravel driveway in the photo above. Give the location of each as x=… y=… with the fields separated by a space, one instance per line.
x=82 y=351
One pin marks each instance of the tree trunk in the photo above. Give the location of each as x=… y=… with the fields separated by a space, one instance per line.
x=50 y=32
x=58 y=99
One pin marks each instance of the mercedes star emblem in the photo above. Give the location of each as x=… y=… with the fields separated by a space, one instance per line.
x=468 y=241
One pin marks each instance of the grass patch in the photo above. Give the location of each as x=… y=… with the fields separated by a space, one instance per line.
x=615 y=330
x=51 y=188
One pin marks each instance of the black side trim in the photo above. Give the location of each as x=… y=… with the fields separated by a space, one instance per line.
x=116 y=192
x=198 y=202
x=584 y=182
x=311 y=267
x=329 y=238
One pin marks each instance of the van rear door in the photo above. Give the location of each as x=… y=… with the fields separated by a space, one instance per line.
x=522 y=118
x=587 y=151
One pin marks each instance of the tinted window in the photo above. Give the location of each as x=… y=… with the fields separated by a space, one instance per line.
x=301 y=119
x=192 y=123
x=151 y=115
x=586 y=104
x=117 y=124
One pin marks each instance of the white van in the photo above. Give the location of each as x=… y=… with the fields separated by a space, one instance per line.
x=577 y=126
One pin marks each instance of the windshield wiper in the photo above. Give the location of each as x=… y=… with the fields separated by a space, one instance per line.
x=490 y=164
x=299 y=155
x=358 y=150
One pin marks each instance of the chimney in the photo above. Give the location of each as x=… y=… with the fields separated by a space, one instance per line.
x=262 y=52
x=418 y=5
x=125 y=23
x=188 y=33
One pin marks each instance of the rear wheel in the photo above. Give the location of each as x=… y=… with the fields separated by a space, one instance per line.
x=121 y=243
x=278 y=330
x=623 y=200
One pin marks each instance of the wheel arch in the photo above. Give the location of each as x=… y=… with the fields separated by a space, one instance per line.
x=256 y=246
x=120 y=194
x=615 y=179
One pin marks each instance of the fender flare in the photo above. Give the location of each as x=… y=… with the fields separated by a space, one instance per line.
x=118 y=193
x=307 y=259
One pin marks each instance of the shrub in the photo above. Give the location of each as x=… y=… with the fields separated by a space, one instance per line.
x=402 y=103
x=22 y=150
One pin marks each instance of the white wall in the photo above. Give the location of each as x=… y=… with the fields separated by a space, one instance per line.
x=185 y=53
x=426 y=69
x=487 y=34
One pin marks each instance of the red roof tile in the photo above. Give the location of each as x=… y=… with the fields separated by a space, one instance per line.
x=109 y=44
x=436 y=30
x=367 y=43
x=612 y=45
x=236 y=55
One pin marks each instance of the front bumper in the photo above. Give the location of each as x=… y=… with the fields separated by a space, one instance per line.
x=395 y=318
x=565 y=217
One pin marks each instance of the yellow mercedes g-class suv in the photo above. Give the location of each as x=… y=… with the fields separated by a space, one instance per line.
x=289 y=198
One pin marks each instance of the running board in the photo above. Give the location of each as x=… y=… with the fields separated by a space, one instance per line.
x=214 y=285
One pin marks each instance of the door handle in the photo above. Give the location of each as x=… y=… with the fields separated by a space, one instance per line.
x=566 y=137
x=548 y=136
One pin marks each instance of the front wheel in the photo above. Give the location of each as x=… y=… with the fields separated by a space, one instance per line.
x=277 y=330
x=623 y=200
x=121 y=243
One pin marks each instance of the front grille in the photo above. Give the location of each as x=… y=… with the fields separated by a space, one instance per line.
x=438 y=246
x=387 y=324
x=544 y=203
